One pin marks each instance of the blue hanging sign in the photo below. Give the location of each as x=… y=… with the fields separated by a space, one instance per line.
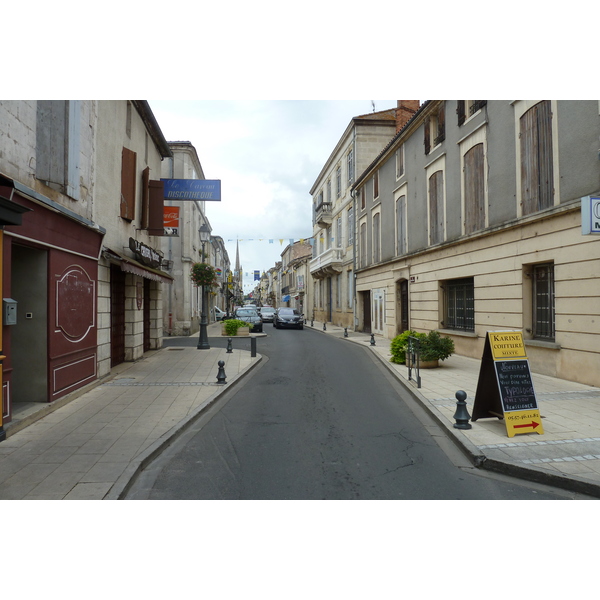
x=192 y=189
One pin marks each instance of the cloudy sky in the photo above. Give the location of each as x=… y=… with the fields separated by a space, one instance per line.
x=267 y=155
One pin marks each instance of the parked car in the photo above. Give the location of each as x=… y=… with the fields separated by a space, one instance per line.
x=267 y=312
x=219 y=314
x=250 y=315
x=288 y=317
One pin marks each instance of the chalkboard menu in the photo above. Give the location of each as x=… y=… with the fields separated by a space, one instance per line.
x=516 y=387
x=504 y=388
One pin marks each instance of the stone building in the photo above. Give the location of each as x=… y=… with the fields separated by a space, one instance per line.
x=470 y=220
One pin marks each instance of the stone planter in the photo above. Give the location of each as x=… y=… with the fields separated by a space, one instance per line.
x=240 y=332
x=423 y=364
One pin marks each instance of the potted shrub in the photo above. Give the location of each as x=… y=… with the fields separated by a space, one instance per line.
x=432 y=348
x=233 y=327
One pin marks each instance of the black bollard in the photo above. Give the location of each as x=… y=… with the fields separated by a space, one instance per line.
x=221 y=373
x=312 y=324
x=372 y=339
x=252 y=347
x=324 y=326
x=462 y=416
x=229 y=348
x=345 y=332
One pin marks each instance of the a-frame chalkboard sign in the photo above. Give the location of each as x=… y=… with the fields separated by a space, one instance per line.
x=504 y=388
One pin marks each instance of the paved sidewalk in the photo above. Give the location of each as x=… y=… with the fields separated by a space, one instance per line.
x=91 y=447
x=566 y=455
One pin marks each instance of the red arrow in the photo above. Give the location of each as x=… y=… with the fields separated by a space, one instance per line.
x=532 y=424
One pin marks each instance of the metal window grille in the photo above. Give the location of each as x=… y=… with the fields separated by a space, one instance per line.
x=460 y=305
x=543 y=302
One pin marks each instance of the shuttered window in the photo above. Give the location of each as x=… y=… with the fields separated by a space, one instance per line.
x=128 y=170
x=401 y=226
x=376 y=237
x=363 y=244
x=459 y=296
x=537 y=176
x=436 y=208
x=58 y=145
x=474 y=189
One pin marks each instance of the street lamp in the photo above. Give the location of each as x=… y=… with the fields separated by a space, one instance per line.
x=204 y=233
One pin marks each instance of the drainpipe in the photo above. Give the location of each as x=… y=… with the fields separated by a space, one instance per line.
x=171 y=259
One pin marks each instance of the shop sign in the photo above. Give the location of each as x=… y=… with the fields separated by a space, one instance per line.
x=146 y=255
x=192 y=189
x=590 y=215
x=171 y=221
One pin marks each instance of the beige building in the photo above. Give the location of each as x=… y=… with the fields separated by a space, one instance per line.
x=332 y=266
x=295 y=276
x=470 y=220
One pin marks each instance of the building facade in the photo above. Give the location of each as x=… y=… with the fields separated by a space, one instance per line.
x=296 y=282
x=332 y=266
x=80 y=271
x=469 y=221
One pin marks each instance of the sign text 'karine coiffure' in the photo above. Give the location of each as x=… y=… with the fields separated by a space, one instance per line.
x=192 y=189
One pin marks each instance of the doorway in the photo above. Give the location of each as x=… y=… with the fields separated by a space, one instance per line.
x=29 y=337
x=117 y=316
x=402 y=321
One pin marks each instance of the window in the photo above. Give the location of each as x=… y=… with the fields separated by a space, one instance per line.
x=474 y=189
x=338 y=291
x=339 y=232
x=376 y=237
x=537 y=177
x=329 y=190
x=376 y=185
x=436 y=208
x=363 y=201
x=543 y=302
x=459 y=299
x=467 y=108
x=350 y=226
x=350 y=167
x=338 y=179
x=401 y=226
x=400 y=162
x=57 y=145
x=363 y=244
x=128 y=172
x=350 y=289
x=435 y=129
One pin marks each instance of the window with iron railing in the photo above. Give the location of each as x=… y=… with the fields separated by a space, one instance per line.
x=543 y=302
x=459 y=298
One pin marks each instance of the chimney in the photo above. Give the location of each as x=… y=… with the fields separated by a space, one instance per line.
x=404 y=112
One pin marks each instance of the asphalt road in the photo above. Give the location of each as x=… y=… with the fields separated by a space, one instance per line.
x=320 y=418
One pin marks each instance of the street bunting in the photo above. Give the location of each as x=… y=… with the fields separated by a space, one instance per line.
x=193 y=189
x=504 y=388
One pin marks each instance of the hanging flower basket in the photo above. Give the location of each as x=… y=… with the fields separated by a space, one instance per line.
x=203 y=274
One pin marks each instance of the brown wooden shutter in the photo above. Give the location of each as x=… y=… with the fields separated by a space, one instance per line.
x=436 y=208
x=546 y=168
x=441 y=134
x=426 y=135
x=145 y=197
x=460 y=111
x=128 y=169
x=156 y=208
x=529 y=166
x=474 y=189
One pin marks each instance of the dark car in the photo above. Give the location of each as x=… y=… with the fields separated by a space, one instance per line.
x=250 y=315
x=267 y=312
x=288 y=317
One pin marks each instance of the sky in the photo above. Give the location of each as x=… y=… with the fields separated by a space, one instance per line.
x=267 y=154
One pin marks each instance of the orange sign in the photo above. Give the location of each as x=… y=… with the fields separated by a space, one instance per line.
x=171 y=220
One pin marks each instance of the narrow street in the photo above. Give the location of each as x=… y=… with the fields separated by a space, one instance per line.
x=320 y=419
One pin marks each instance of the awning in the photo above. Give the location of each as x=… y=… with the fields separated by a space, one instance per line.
x=285 y=299
x=130 y=265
